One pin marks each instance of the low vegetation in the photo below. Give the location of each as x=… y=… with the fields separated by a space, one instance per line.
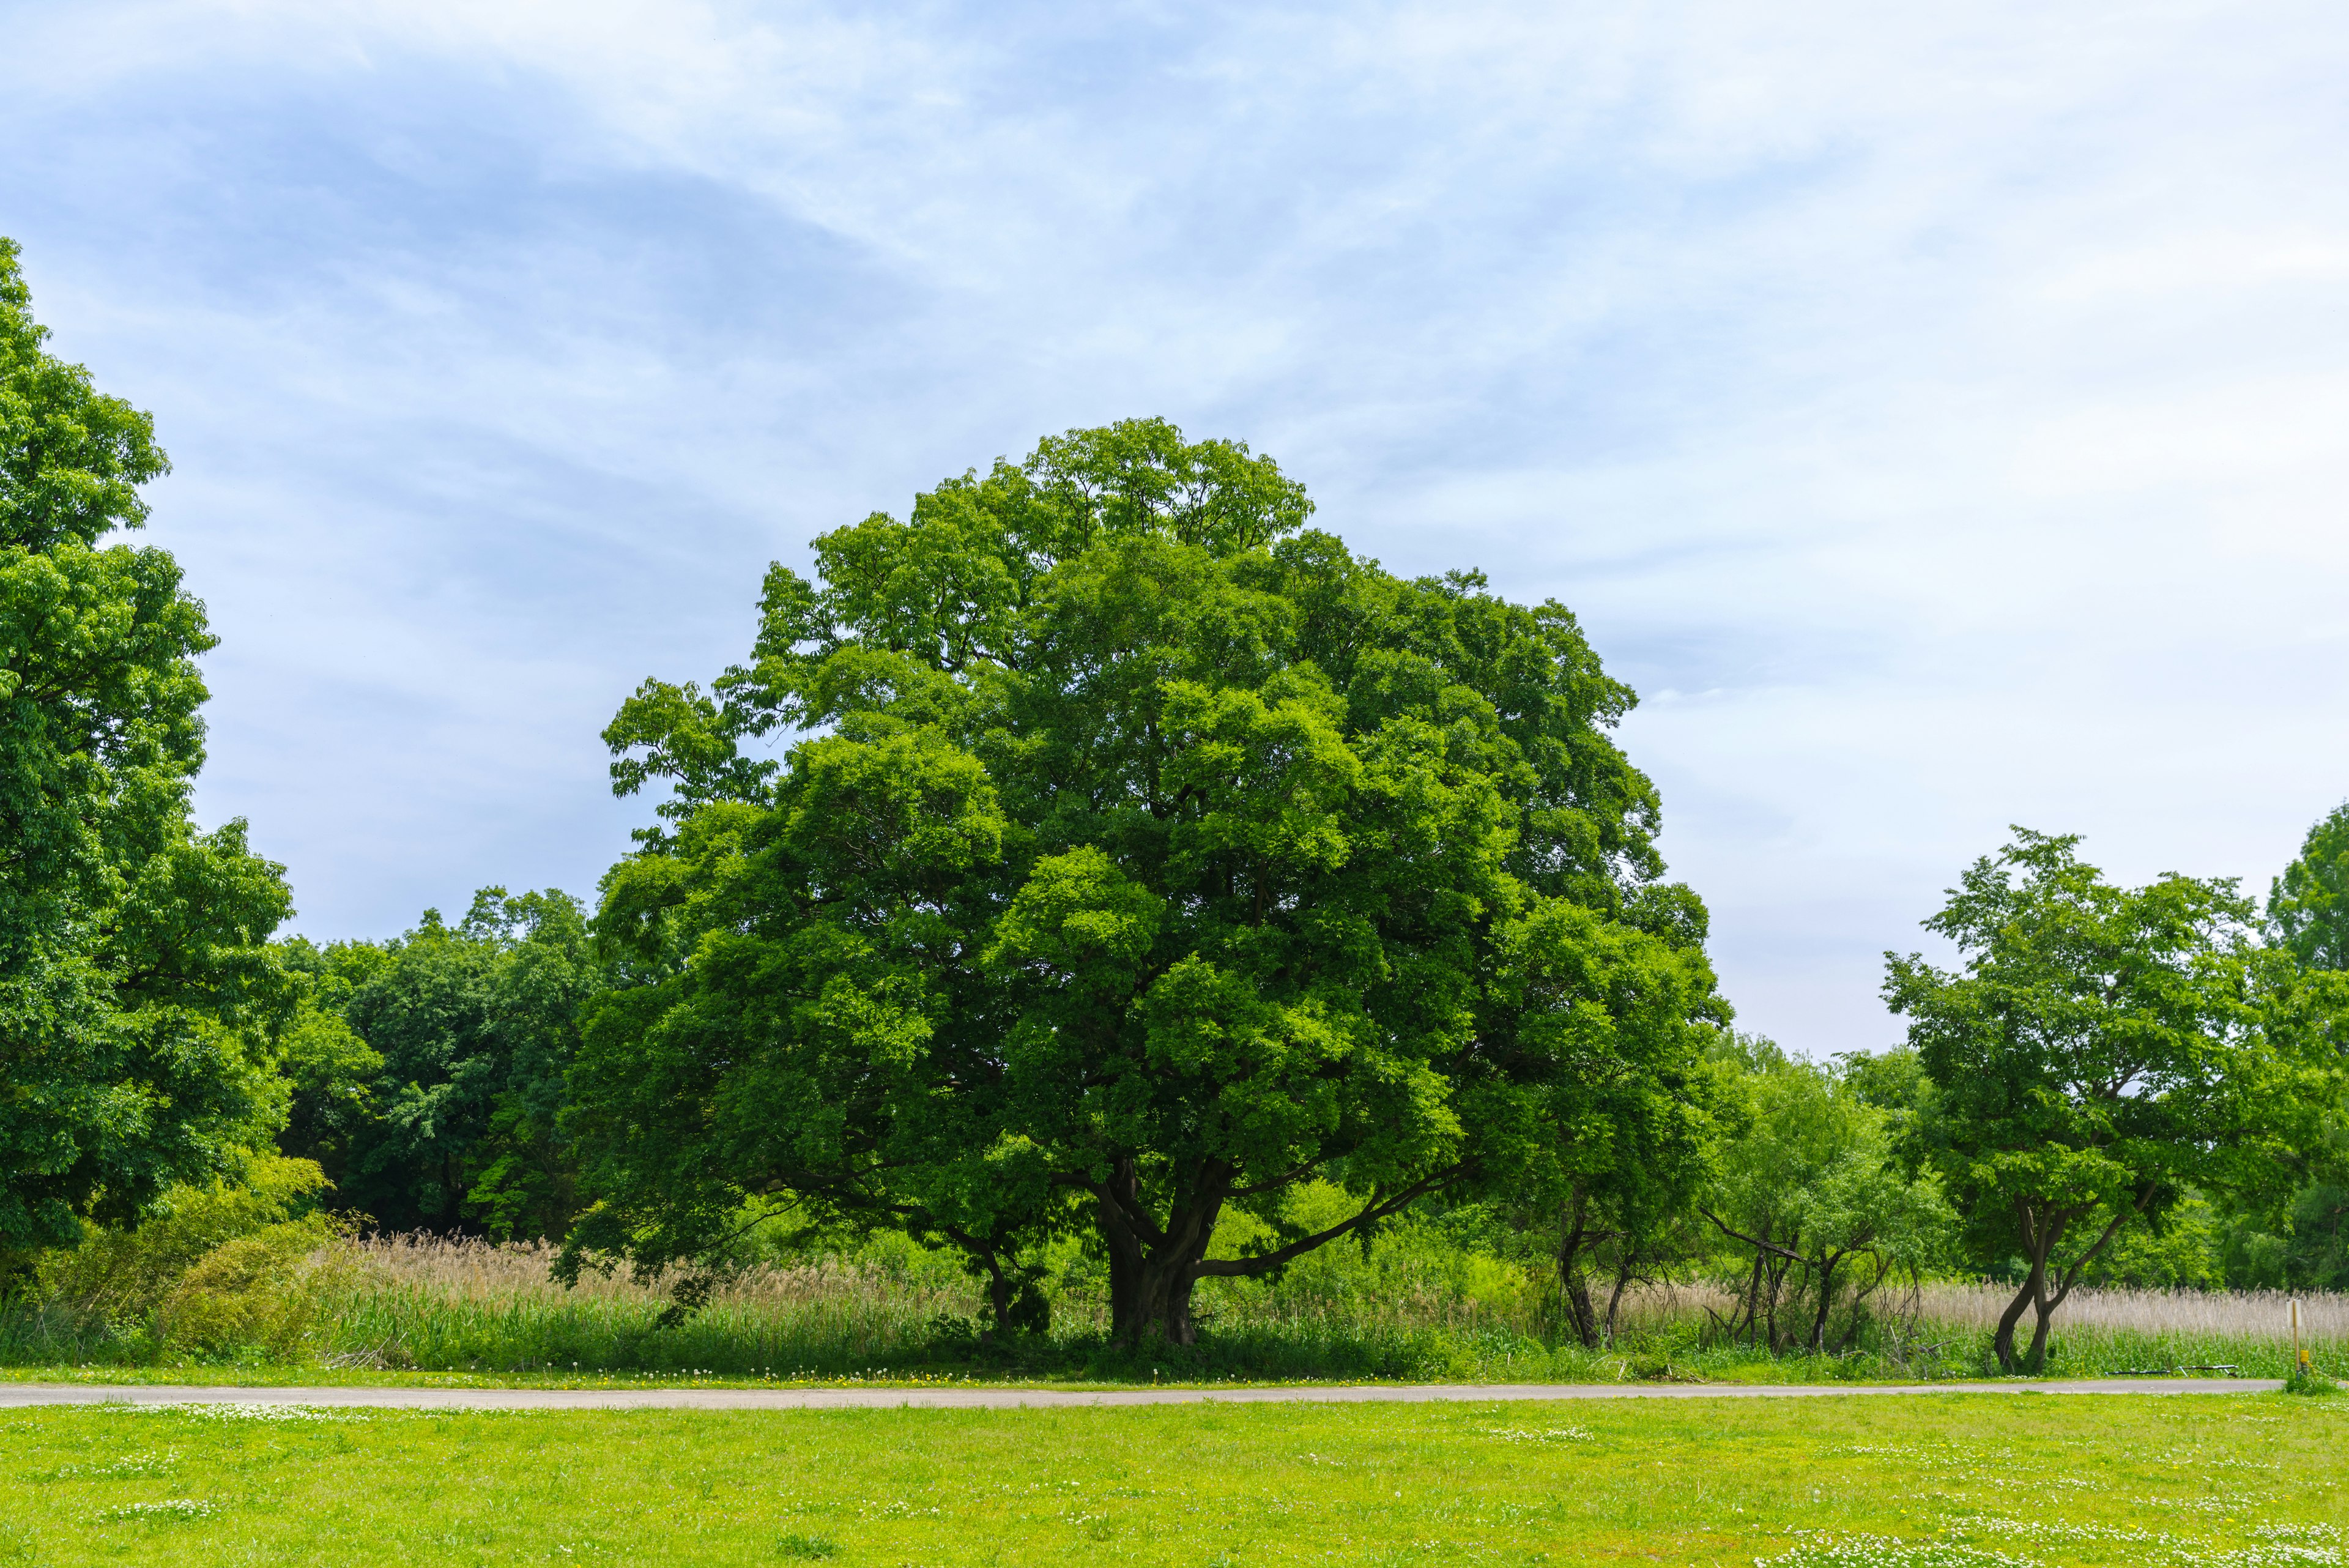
x=1416 y=1305
x=1948 y=1480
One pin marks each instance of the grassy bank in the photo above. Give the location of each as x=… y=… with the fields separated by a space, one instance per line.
x=414 y=1307
x=2234 y=1480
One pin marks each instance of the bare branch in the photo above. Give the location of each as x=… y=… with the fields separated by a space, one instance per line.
x=1752 y=1241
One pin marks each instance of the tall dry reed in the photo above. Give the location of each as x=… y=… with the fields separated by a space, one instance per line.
x=467 y=1269
x=2232 y=1314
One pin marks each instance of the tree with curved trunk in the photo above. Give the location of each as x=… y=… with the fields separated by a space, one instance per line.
x=1143 y=855
x=2101 y=1051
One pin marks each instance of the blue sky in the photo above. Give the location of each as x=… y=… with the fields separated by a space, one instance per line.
x=1937 y=413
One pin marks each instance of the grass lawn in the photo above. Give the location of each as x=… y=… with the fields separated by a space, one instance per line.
x=2203 y=1479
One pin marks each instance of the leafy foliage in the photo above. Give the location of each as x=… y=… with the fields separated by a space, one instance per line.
x=2308 y=905
x=1809 y=1185
x=137 y=993
x=245 y=1262
x=427 y=1074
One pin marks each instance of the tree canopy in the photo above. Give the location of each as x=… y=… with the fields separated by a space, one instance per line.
x=139 y=997
x=2102 y=1052
x=1142 y=853
x=427 y=1072
x=2308 y=906
x=1808 y=1183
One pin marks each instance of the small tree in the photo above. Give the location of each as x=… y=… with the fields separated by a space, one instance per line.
x=1614 y=1196
x=1809 y=1184
x=2102 y=1051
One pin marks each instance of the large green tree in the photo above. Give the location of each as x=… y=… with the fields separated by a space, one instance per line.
x=2102 y=1052
x=1144 y=855
x=138 y=994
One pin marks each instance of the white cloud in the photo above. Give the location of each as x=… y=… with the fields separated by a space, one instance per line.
x=1944 y=400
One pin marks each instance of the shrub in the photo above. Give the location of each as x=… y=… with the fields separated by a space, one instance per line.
x=262 y=1292
x=122 y=1276
x=229 y=1264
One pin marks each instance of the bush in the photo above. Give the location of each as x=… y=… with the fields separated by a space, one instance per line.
x=265 y=1291
x=2308 y=1380
x=216 y=1268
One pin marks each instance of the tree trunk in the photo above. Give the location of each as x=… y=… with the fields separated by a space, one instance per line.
x=2040 y=1234
x=2069 y=1275
x=1754 y=1302
x=1615 y=1298
x=1826 y=1301
x=1859 y=1299
x=2002 y=1344
x=1151 y=1271
x=1153 y=1268
x=1774 y=1279
x=2037 y=1360
x=1570 y=1283
x=998 y=1301
x=1155 y=1308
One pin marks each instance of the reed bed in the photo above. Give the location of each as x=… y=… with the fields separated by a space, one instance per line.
x=443 y=1302
x=2227 y=1314
x=466 y=1268
x=1401 y=1311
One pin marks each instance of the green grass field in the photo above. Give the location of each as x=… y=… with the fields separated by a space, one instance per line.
x=2232 y=1481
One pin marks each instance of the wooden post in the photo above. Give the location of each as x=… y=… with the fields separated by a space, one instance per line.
x=2298 y=1361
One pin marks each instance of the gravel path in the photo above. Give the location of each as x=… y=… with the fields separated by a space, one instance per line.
x=23 y=1394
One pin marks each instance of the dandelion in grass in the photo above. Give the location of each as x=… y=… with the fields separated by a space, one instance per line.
x=2056 y=1529
x=2228 y=1506
x=1828 y=1550
x=171 y=1509
x=900 y=1509
x=2299 y=1533
x=241 y=1411
x=128 y=1465
x=1547 y=1435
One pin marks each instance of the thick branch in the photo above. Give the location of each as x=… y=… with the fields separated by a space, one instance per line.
x=1249 y=1268
x=1131 y=1214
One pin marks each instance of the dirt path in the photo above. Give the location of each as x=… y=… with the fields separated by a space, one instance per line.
x=23 y=1393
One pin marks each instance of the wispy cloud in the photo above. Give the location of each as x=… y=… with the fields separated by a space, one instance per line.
x=1934 y=412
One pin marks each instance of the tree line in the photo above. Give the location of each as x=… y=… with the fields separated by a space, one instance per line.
x=1101 y=851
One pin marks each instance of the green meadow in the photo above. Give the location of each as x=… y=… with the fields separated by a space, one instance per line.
x=1956 y=1478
